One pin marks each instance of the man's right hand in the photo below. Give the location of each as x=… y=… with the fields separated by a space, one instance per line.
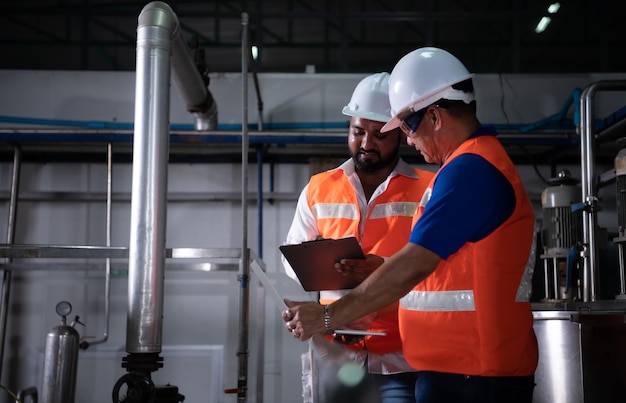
x=359 y=269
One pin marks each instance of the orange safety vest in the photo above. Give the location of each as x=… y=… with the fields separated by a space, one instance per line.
x=469 y=316
x=334 y=204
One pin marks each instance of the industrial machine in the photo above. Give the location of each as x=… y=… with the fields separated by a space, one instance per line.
x=620 y=191
x=562 y=237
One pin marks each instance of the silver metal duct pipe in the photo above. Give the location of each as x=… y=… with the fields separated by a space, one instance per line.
x=588 y=182
x=187 y=79
x=146 y=265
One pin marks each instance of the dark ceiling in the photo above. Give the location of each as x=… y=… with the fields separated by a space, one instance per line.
x=345 y=36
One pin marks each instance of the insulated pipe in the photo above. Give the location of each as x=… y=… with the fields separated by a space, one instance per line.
x=146 y=266
x=588 y=184
x=187 y=79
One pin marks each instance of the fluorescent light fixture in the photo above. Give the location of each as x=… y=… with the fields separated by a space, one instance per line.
x=255 y=52
x=543 y=24
x=545 y=21
x=554 y=7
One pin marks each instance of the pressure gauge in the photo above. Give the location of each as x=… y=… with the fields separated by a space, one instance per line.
x=64 y=308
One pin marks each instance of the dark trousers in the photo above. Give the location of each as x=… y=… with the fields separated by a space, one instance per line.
x=437 y=387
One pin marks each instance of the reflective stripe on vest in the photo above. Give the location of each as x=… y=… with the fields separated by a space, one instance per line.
x=525 y=288
x=335 y=210
x=332 y=294
x=438 y=301
x=394 y=209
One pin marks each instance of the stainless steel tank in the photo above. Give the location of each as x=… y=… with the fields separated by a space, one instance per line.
x=581 y=354
x=61 y=360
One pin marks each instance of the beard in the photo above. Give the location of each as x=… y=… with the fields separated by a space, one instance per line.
x=374 y=165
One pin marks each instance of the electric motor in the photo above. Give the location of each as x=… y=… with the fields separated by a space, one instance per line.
x=562 y=228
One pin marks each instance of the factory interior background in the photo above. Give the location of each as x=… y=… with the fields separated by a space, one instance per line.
x=68 y=106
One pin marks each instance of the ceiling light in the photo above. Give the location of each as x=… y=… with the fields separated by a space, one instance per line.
x=554 y=7
x=543 y=24
x=545 y=21
x=255 y=52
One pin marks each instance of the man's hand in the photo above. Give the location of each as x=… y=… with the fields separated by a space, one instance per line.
x=303 y=319
x=359 y=269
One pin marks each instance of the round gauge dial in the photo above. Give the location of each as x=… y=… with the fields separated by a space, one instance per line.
x=64 y=308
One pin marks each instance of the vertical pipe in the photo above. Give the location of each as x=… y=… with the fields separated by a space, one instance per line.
x=546 y=277
x=555 y=278
x=622 y=278
x=107 y=271
x=259 y=199
x=6 y=277
x=260 y=330
x=244 y=264
x=588 y=192
x=588 y=182
x=149 y=184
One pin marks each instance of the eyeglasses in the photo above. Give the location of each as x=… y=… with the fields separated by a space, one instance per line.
x=410 y=124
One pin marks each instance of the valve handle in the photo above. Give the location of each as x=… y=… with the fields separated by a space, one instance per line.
x=139 y=389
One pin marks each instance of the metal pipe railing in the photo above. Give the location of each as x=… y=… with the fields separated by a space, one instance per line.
x=107 y=264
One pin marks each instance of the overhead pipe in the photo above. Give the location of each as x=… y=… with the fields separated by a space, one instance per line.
x=588 y=183
x=190 y=83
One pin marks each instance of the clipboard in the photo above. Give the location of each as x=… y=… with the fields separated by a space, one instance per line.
x=314 y=262
x=280 y=303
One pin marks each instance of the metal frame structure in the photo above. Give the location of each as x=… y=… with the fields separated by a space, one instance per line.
x=160 y=49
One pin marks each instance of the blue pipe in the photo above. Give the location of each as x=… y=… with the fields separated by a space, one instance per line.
x=259 y=199
x=558 y=117
x=174 y=126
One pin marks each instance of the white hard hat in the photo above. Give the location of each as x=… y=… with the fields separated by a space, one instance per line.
x=370 y=99
x=422 y=77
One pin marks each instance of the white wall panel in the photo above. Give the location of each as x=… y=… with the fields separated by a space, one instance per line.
x=287 y=98
x=201 y=309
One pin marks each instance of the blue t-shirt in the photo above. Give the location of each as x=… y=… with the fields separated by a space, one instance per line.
x=470 y=199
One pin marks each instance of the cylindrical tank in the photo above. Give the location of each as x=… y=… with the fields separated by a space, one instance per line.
x=581 y=355
x=60 y=360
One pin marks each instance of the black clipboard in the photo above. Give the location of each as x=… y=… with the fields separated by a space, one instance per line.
x=314 y=262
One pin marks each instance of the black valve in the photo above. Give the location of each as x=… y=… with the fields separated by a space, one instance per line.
x=139 y=389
